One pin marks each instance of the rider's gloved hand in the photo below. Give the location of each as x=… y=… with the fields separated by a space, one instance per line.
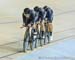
x=22 y=26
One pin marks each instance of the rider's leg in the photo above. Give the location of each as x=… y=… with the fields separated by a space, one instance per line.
x=50 y=30
x=30 y=37
x=42 y=28
x=42 y=32
x=45 y=24
x=25 y=38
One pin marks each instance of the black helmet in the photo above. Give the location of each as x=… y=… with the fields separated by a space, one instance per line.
x=36 y=8
x=26 y=10
x=45 y=7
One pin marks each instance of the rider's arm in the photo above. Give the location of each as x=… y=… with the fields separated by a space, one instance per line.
x=24 y=20
x=51 y=14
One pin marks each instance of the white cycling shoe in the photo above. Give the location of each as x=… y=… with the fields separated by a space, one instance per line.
x=51 y=38
x=35 y=32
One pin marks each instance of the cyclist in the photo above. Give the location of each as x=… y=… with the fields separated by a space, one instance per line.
x=28 y=21
x=41 y=12
x=49 y=17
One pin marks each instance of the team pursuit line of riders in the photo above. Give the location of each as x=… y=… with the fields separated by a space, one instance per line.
x=38 y=25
